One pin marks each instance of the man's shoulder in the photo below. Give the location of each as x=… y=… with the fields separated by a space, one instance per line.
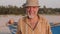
x=22 y=18
x=43 y=18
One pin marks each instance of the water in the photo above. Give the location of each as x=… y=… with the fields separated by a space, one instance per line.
x=4 y=33
x=5 y=18
x=55 y=30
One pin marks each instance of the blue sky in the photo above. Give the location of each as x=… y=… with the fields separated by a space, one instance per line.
x=47 y=3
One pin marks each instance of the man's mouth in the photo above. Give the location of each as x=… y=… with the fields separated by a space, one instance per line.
x=31 y=13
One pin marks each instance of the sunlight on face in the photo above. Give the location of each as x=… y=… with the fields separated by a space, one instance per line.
x=32 y=11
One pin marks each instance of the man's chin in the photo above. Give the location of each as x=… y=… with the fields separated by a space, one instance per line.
x=31 y=16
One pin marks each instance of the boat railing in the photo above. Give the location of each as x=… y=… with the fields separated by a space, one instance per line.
x=54 y=24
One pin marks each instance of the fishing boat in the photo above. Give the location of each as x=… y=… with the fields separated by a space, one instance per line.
x=55 y=28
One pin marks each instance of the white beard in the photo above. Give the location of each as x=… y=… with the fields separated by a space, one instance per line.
x=31 y=16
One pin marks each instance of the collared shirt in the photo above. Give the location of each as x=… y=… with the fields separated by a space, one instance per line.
x=42 y=27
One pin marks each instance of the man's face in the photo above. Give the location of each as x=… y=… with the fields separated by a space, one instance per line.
x=32 y=11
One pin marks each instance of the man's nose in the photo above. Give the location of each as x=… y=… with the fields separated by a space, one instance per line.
x=31 y=9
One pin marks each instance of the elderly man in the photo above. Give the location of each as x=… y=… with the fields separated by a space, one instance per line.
x=33 y=23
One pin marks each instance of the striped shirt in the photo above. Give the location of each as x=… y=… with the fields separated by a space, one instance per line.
x=13 y=28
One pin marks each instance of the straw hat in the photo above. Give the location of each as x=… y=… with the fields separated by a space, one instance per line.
x=32 y=3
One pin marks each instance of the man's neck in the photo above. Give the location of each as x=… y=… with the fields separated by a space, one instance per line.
x=33 y=19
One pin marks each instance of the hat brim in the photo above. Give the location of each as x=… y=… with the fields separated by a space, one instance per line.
x=32 y=6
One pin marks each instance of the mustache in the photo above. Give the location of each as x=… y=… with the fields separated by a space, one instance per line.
x=31 y=12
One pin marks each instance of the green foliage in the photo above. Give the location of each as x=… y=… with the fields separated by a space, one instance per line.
x=18 y=10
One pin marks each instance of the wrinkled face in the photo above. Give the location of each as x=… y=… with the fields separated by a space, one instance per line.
x=32 y=11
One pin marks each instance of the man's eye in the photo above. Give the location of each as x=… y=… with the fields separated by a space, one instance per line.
x=33 y=7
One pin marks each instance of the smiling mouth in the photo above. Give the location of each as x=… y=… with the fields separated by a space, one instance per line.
x=31 y=13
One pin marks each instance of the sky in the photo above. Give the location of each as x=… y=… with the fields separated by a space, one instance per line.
x=47 y=3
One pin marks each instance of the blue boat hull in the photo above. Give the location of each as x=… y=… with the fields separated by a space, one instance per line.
x=55 y=29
